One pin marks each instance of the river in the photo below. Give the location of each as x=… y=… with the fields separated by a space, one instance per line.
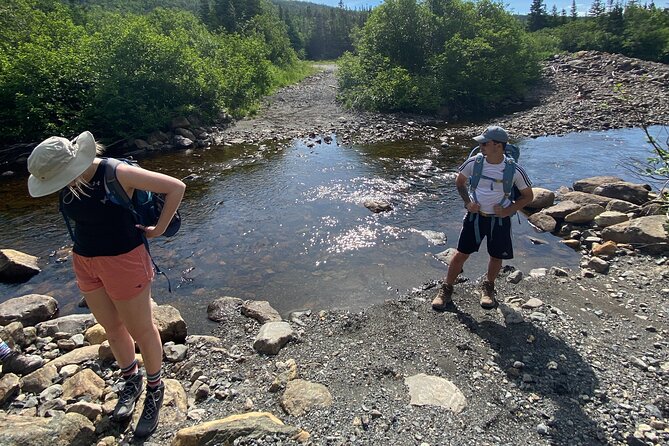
x=287 y=225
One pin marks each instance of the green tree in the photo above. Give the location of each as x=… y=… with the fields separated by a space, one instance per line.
x=537 y=17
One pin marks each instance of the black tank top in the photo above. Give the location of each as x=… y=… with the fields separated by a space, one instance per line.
x=101 y=228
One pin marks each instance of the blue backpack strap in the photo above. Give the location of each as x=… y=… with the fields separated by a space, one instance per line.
x=117 y=195
x=476 y=175
x=507 y=176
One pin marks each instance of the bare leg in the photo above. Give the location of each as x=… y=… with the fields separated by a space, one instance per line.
x=455 y=267
x=120 y=341
x=137 y=317
x=494 y=267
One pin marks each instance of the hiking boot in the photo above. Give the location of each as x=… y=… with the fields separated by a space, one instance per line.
x=488 y=295
x=443 y=298
x=149 y=420
x=132 y=389
x=21 y=364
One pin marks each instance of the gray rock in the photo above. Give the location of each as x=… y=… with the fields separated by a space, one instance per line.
x=426 y=390
x=622 y=190
x=29 y=309
x=72 y=324
x=175 y=352
x=598 y=265
x=302 y=396
x=515 y=277
x=70 y=429
x=609 y=218
x=223 y=308
x=646 y=233
x=260 y=310
x=272 y=337
x=585 y=214
x=589 y=184
x=543 y=198
x=561 y=210
x=377 y=206
x=542 y=221
x=583 y=198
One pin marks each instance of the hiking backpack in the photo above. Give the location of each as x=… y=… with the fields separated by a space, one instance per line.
x=511 y=155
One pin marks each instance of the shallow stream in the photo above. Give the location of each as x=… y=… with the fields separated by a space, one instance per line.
x=288 y=225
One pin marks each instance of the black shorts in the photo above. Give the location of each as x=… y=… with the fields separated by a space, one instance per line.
x=496 y=231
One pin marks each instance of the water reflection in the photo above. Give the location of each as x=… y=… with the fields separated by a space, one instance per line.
x=289 y=225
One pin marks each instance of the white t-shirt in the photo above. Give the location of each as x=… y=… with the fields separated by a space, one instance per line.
x=489 y=193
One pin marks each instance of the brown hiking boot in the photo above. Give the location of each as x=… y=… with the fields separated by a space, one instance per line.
x=488 y=295
x=443 y=298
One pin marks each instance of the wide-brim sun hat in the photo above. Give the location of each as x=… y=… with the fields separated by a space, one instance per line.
x=57 y=161
x=492 y=133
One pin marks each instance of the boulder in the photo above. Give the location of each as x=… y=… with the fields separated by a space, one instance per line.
x=61 y=429
x=302 y=396
x=585 y=214
x=170 y=324
x=543 y=222
x=589 y=184
x=561 y=210
x=16 y=266
x=623 y=206
x=224 y=308
x=543 y=198
x=29 y=309
x=72 y=324
x=609 y=218
x=583 y=198
x=261 y=311
x=646 y=233
x=623 y=190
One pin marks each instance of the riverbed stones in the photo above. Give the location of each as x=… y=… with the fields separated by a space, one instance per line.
x=543 y=198
x=303 y=396
x=71 y=429
x=609 y=218
x=648 y=233
x=29 y=309
x=543 y=221
x=272 y=337
x=252 y=425
x=590 y=184
x=260 y=310
x=623 y=190
x=71 y=324
x=561 y=210
x=171 y=325
x=17 y=266
x=224 y=308
x=585 y=214
x=427 y=390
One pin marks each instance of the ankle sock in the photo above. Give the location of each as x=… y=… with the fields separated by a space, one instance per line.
x=153 y=380
x=130 y=370
x=4 y=350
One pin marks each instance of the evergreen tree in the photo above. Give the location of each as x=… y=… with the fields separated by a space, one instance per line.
x=597 y=8
x=573 y=12
x=537 y=17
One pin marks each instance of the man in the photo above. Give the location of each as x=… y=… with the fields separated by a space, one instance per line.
x=488 y=216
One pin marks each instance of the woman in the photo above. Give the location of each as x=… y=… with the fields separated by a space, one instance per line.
x=111 y=264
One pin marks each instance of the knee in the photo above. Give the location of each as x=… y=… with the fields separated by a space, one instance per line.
x=114 y=330
x=146 y=334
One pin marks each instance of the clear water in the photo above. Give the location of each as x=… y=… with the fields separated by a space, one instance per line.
x=289 y=226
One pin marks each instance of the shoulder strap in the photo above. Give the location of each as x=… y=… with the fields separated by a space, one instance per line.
x=113 y=188
x=509 y=172
x=477 y=171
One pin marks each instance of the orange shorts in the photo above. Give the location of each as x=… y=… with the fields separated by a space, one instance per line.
x=123 y=276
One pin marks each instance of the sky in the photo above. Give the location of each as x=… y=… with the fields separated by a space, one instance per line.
x=513 y=6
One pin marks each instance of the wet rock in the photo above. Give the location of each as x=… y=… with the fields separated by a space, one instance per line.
x=16 y=266
x=377 y=206
x=260 y=310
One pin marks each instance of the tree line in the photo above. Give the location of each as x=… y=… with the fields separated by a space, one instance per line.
x=632 y=29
